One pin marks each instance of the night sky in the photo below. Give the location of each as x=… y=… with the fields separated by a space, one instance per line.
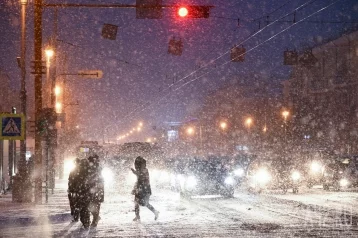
x=138 y=69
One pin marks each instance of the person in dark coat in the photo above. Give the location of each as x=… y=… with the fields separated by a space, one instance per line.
x=83 y=197
x=142 y=189
x=96 y=184
x=73 y=183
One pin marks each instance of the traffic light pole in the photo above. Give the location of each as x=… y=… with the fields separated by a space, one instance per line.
x=38 y=97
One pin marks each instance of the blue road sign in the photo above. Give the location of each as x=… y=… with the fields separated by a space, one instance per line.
x=12 y=127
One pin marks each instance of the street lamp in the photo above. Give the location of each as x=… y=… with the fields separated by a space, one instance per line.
x=248 y=122
x=223 y=125
x=285 y=114
x=190 y=131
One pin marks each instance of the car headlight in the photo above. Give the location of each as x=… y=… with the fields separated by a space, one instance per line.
x=229 y=180
x=295 y=175
x=69 y=165
x=239 y=172
x=316 y=167
x=191 y=182
x=164 y=176
x=262 y=176
x=107 y=175
x=344 y=182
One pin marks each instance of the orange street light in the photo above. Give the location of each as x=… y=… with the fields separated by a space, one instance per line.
x=223 y=125
x=285 y=114
x=248 y=122
x=190 y=130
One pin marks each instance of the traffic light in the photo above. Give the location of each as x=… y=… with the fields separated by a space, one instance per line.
x=238 y=54
x=47 y=121
x=175 y=47
x=194 y=11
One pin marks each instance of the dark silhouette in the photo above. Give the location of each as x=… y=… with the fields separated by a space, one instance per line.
x=96 y=184
x=83 y=193
x=142 y=189
x=73 y=188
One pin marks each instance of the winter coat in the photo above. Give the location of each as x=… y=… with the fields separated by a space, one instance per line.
x=95 y=180
x=73 y=179
x=142 y=187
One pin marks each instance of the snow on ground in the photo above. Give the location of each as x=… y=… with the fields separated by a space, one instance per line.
x=246 y=215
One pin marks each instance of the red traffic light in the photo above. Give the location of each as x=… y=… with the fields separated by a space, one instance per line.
x=183 y=12
x=194 y=11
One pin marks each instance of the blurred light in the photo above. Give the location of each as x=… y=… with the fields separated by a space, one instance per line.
x=139 y=129
x=49 y=53
x=344 y=182
x=191 y=182
x=58 y=106
x=190 y=130
x=223 y=125
x=316 y=167
x=57 y=90
x=183 y=12
x=239 y=172
x=296 y=175
x=229 y=180
x=265 y=129
x=149 y=140
x=263 y=176
x=140 y=124
x=285 y=114
x=23 y=2
x=69 y=165
x=107 y=175
x=248 y=122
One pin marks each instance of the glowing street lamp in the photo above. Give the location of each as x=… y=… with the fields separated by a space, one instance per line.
x=190 y=131
x=58 y=106
x=57 y=90
x=183 y=12
x=285 y=114
x=248 y=122
x=223 y=125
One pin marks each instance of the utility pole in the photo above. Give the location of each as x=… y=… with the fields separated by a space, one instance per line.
x=38 y=97
x=53 y=142
x=22 y=169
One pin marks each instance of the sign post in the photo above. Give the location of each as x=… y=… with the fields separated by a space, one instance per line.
x=12 y=126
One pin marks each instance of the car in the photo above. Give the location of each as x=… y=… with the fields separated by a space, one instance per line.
x=205 y=177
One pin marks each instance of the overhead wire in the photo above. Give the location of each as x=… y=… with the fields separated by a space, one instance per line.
x=206 y=65
x=200 y=76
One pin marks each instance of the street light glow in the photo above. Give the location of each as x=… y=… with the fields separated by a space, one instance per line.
x=223 y=125
x=58 y=106
x=49 y=53
x=57 y=90
x=248 y=122
x=140 y=124
x=190 y=130
x=285 y=114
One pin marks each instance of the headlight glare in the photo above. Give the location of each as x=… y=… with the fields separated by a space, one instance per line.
x=296 y=175
x=344 y=182
x=229 y=180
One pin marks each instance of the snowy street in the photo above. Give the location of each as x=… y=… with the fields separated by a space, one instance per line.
x=314 y=214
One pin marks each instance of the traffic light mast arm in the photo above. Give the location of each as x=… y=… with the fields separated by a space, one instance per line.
x=116 y=5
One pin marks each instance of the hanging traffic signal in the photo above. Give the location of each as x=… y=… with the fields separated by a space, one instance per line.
x=194 y=11
x=175 y=47
x=238 y=54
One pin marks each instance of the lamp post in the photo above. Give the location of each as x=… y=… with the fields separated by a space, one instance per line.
x=23 y=83
x=285 y=115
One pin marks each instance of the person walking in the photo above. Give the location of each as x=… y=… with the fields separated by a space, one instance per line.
x=142 y=189
x=83 y=197
x=73 y=183
x=96 y=184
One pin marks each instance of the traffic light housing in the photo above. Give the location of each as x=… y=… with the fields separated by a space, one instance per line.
x=192 y=11
x=238 y=54
x=175 y=47
x=47 y=121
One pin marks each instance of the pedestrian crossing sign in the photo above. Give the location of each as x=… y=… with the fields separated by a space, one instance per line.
x=12 y=126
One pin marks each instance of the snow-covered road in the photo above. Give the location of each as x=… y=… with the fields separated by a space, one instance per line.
x=313 y=213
